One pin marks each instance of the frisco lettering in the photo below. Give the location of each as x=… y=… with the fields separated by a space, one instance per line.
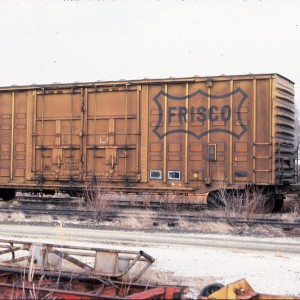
x=199 y=114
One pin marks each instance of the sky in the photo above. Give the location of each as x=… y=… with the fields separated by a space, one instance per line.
x=67 y=41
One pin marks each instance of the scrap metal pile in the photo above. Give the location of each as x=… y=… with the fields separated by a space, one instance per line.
x=50 y=271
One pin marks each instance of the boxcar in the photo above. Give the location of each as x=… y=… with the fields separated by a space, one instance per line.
x=188 y=135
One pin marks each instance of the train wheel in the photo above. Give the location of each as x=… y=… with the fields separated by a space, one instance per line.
x=211 y=288
x=7 y=194
x=270 y=203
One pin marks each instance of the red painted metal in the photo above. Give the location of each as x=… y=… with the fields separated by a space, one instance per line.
x=164 y=292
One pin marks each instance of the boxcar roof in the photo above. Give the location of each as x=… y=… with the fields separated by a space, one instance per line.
x=140 y=81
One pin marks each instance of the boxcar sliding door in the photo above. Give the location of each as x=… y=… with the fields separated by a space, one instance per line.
x=113 y=133
x=58 y=134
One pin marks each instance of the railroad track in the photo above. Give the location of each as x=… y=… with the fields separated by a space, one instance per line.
x=137 y=204
x=172 y=219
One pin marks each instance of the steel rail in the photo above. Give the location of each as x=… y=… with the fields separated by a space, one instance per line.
x=172 y=219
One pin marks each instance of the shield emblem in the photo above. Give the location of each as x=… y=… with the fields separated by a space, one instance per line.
x=201 y=112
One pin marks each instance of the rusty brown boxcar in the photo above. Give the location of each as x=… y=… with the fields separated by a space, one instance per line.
x=188 y=135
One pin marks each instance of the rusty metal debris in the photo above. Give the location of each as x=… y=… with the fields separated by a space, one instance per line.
x=50 y=271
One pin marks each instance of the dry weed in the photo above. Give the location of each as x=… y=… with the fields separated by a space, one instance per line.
x=291 y=206
x=146 y=198
x=170 y=202
x=18 y=216
x=133 y=222
x=60 y=233
x=50 y=206
x=44 y=218
x=15 y=203
x=206 y=227
x=98 y=199
x=248 y=203
x=132 y=198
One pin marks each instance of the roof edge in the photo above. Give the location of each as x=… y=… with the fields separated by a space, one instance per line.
x=137 y=81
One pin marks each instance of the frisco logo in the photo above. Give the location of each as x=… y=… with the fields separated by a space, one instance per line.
x=200 y=114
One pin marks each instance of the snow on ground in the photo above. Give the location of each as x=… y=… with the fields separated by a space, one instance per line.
x=267 y=272
x=273 y=273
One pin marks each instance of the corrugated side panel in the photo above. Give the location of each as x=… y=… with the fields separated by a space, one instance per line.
x=284 y=127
